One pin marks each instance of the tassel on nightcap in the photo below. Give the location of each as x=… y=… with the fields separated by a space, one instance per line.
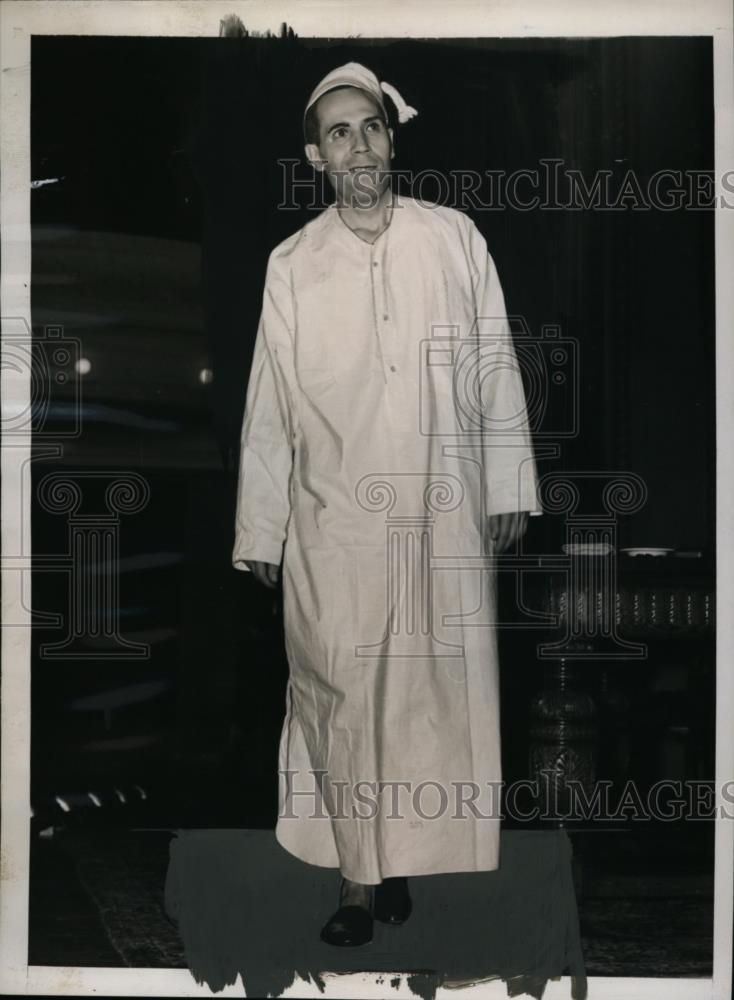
x=405 y=112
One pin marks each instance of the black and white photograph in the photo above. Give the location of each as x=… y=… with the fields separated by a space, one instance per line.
x=366 y=499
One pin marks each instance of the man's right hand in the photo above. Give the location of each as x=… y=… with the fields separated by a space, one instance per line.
x=264 y=572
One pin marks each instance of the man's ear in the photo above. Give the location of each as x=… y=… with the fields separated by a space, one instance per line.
x=314 y=156
x=392 y=143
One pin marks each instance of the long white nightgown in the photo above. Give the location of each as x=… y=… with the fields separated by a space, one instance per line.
x=385 y=421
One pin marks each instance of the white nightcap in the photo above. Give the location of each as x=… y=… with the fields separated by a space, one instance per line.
x=355 y=75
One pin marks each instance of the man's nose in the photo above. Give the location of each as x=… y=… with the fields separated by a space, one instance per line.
x=361 y=140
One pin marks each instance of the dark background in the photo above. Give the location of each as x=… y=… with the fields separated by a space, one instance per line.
x=179 y=139
x=151 y=251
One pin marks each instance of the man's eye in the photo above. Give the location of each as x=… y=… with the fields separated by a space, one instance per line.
x=338 y=133
x=375 y=126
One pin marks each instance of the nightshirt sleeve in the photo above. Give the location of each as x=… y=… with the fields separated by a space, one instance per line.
x=266 y=448
x=509 y=470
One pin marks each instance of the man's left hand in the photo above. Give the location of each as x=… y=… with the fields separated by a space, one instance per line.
x=506 y=529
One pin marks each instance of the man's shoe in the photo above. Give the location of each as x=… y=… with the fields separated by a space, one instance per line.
x=349 y=927
x=392 y=904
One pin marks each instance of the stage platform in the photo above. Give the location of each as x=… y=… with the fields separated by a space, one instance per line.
x=243 y=905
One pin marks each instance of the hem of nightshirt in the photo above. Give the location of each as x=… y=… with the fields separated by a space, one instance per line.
x=387 y=871
x=302 y=855
x=441 y=869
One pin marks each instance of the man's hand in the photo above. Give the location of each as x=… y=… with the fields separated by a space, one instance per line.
x=264 y=572
x=506 y=529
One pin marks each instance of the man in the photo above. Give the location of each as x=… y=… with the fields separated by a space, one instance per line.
x=378 y=481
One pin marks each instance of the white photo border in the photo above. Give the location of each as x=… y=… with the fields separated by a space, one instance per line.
x=20 y=20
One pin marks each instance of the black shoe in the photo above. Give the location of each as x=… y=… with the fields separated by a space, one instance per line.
x=392 y=904
x=349 y=927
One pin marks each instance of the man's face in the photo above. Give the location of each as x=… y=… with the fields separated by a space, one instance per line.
x=355 y=146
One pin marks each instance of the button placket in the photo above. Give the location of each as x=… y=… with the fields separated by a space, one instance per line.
x=383 y=312
x=377 y=304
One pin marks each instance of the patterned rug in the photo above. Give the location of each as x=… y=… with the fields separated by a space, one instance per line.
x=124 y=875
x=647 y=937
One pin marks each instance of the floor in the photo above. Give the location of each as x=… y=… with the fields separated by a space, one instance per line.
x=644 y=897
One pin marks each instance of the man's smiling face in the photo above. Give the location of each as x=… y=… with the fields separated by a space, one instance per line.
x=355 y=146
